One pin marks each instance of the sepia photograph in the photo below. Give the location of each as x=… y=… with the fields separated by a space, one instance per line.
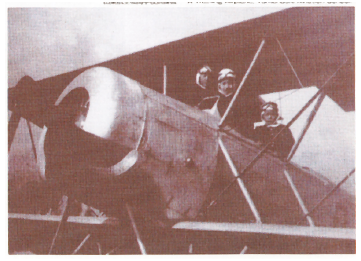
x=168 y=128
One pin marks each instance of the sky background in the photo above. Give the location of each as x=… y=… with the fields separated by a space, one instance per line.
x=44 y=42
x=329 y=144
x=48 y=41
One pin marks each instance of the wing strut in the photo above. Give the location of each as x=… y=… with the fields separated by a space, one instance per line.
x=165 y=79
x=240 y=182
x=241 y=84
x=306 y=127
x=299 y=198
x=81 y=244
x=64 y=218
x=264 y=149
x=135 y=229
x=293 y=151
x=325 y=197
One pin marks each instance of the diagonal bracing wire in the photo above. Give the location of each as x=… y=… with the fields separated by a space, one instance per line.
x=293 y=151
x=240 y=182
x=327 y=196
x=289 y=62
x=263 y=150
x=293 y=70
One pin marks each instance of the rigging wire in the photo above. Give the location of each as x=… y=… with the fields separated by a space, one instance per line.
x=296 y=90
x=289 y=62
x=288 y=94
x=263 y=150
x=293 y=70
x=325 y=197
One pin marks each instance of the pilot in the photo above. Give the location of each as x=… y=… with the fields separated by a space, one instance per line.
x=264 y=131
x=226 y=89
x=238 y=117
x=203 y=85
x=217 y=104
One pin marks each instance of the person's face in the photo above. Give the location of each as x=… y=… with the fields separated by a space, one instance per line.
x=203 y=79
x=226 y=87
x=269 y=117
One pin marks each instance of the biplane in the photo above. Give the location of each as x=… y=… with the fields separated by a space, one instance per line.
x=120 y=138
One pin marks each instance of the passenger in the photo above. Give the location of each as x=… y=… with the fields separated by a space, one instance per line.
x=226 y=89
x=202 y=88
x=264 y=131
x=203 y=77
x=217 y=104
x=240 y=116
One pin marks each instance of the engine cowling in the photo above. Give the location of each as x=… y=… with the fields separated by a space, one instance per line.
x=109 y=127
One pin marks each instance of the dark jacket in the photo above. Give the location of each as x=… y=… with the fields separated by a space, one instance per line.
x=196 y=94
x=239 y=117
x=283 y=143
